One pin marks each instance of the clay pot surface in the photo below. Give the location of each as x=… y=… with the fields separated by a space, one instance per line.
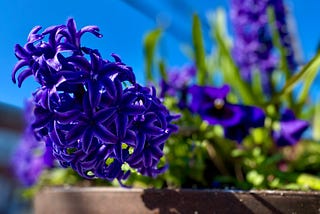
x=98 y=200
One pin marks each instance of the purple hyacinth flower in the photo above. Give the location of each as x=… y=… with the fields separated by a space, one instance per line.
x=40 y=58
x=177 y=83
x=211 y=104
x=286 y=39
x=252 y=49
x=32 y=156
x=178 y=79
x=152 y=130
x=291 y=129
x=89 y=109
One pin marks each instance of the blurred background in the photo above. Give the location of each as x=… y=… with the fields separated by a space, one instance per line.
x=123 y=24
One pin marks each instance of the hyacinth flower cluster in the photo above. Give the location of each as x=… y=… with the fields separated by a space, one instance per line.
x=32 y=156
x=253 y=48
x=177 y=83
x=98 y=119
x=282 y=26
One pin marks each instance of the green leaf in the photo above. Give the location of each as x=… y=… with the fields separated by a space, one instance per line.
x=150 y=41
x=230 y=71
x=316 y=123
x=304 y=92
x=237 y=153
x=307 y=73
x=257 y=86
x=255 y=178
x=199 y=51
x=310 y=181
x=277 y=42
x=162 y=69
x=284 y=68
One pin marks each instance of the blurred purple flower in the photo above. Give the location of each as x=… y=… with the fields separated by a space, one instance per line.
x=91 y=109
x=281 y=22
x=290 y=130
x=31 y=156
x=177 y=83
x=211 y=104
x=178 y=78
x=253 y=118
x=253 y=48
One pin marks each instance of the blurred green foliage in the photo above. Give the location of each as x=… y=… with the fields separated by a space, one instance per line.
x=200 y=157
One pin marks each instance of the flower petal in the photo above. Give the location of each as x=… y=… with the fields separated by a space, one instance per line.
x=105 y=135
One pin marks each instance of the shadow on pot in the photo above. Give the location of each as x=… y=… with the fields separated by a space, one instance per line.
x=221 y=201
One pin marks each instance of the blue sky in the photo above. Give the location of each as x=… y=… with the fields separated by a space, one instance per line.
x=123 y=28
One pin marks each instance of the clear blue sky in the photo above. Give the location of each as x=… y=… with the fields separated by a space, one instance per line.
x=123 y=28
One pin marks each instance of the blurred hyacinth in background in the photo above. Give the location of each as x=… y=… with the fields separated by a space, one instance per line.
x=33 y=156
x=237 y=115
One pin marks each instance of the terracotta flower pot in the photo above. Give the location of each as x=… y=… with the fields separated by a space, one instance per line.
x=96 y=200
